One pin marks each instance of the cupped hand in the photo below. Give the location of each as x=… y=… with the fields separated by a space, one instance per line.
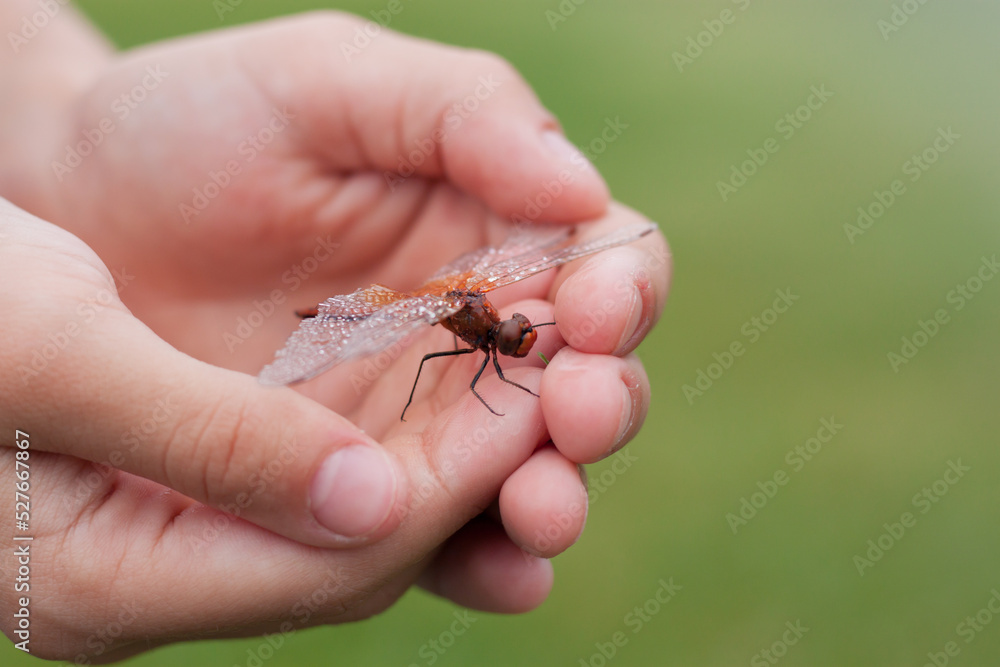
x=262 y=170
x=170 y=499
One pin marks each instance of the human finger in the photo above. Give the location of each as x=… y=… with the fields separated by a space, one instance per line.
x=607 y=303
x=543 y=505
x=593 y=403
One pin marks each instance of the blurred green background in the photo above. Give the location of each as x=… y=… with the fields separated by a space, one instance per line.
x=792 y=563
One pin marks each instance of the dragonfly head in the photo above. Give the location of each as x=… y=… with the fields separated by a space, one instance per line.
x=514 y=337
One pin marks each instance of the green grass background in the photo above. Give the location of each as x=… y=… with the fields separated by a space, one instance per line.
x=826 y=357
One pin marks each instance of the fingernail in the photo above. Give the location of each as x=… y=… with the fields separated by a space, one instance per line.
x=565 y=151
x=640 y=320
x=634 y=315
x=628 y=415
x=353 y=491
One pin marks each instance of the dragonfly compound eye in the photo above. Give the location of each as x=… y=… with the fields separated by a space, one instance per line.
x=515 y=336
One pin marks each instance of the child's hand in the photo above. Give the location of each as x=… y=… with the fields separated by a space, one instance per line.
x=259 y=175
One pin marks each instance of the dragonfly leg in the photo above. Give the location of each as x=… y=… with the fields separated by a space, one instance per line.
x=476 y=379
x=432 y=355
x=496 y=364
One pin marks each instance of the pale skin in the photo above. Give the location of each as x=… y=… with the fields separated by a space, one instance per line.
x=148 y=383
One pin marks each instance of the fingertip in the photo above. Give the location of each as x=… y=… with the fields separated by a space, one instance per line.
x=525 y=170
x=610 y=302
x=543 y=505
x=593 y=404
x=600 y=306
x=354 y=492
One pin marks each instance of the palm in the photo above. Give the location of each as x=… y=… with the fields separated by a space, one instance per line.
x=254 y=285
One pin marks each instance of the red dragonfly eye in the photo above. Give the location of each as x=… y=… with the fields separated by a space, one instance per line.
x=515 y=336
x=371 y=319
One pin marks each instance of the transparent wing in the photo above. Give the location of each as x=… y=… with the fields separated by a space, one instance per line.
x=456 y=267
x=470 y=267
x=532 y=251
x=351 y=326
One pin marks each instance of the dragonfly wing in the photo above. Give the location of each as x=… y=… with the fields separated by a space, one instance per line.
x=352 y=326
x=469 y=269
x=460 y=266
x=529 y=252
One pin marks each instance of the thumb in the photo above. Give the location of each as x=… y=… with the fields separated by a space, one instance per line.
x=85 y=378
x=270 y=456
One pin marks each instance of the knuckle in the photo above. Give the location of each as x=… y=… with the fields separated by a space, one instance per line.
x=218 y=445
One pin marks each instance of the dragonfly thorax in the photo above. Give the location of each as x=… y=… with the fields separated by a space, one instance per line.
x=478 y=323
x=474 y=323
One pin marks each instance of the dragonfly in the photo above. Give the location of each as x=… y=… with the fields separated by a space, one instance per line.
x=369 y=320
